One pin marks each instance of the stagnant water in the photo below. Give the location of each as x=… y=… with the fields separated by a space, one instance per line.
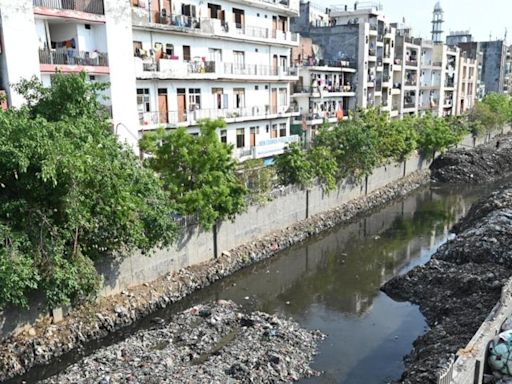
x=331 y=283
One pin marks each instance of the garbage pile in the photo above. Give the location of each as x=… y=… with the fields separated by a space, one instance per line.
x=213 y=343
x=475 y=165
x=459 y=286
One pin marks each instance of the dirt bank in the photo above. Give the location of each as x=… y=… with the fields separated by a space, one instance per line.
x=475 y=165
x=458 y=288
x=45 y=342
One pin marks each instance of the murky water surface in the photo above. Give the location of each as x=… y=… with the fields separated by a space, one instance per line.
x=331 y=283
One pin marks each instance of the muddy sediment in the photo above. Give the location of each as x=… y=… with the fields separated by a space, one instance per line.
x=44 y=342
x=475 y=165
x=459 y=286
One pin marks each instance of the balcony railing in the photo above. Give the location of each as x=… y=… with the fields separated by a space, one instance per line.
x=372 y=52
x=177 y=68
x=412 y=63
x=217 y=26
x=411 y=83
x=88 y=6
x=174 y=118
x=73 y=57
x=409 y=105
x=332 y=89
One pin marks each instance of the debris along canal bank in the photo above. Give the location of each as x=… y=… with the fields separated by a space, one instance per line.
x=459 y=287
x=204 y=344
x=330 y=283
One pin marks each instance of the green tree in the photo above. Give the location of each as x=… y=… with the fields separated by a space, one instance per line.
x=435 y=134
x=70 y=193
x=500 y=106
x=294 y=168
x=199 y=172
x=324 y=167
x=397 y=140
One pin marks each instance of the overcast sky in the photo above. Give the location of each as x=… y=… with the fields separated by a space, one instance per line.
x=480 y=17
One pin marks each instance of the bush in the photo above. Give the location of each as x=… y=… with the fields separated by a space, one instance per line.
x=70 y=193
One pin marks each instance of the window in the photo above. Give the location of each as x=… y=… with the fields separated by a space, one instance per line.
x=143 y=100
x=274 y=130
x=194 y=99
x=239 y=17
x=220 y=100
x=186 y=53
x=215 y=11
x=282 y=129
x=239 y=59
x=283 y=62
x=239 y=97
x=215 y=54
x=282 y=25
x=169 y=49
x=137 y=47
x=223 y=136
x=240 y=138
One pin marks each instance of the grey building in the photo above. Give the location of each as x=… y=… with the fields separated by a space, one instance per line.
x=493 y=62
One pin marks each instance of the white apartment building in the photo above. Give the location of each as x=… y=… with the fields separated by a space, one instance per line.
x=42 y=36
x=467 y=84
x=217 y=59
x=169 y=64
x=325 y=92
x=439 y=79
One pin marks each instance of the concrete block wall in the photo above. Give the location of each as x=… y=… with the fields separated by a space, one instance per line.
x=284 y=210
x=320 y=201
x=193 y=246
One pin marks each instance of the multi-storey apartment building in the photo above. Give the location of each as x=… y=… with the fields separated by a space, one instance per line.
x=492 y=56
x=407 y=56
x=467 y=84
x=169 y=64
x=42 y=36
x=227 y=59
x=439 y=70
x=325 y=92
x=359 y=35
x=430 y=77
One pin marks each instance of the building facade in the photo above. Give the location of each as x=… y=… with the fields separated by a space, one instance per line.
x=168 y=66
x=224 y=59
x=325 y=92
x=42 y=36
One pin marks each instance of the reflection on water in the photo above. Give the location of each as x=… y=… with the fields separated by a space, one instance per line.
x=332 y=283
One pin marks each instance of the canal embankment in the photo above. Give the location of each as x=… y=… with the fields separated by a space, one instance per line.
x=43 y=341
x=460 y=286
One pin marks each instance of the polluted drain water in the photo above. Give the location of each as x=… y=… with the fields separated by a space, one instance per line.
x=331 y=283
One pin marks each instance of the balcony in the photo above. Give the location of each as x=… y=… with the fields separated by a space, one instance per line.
x=409 y=105
x=209 y=26
x=328 y=91
x=372 y=52
x=192 y=117
x=411 y=63
x=211 y=70
x=72 y=60
x=86 y=6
